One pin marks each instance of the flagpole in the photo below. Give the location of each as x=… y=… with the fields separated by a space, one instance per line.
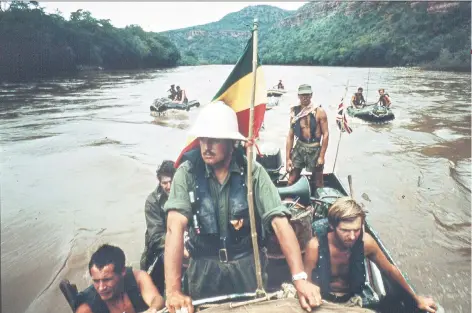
x=340 y=131
x=250 y=160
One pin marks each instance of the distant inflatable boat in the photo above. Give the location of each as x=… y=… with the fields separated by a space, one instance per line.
x=275 y=92
x=372 y=113
x=161 y=105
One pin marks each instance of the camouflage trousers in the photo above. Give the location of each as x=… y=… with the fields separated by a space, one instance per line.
x=208 y=277
x=305 y=155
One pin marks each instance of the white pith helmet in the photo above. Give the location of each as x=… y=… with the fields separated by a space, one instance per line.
x=217 y=120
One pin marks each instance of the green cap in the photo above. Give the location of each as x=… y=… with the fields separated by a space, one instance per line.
x=304 y=89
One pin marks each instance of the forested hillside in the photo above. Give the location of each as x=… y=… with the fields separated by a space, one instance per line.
x=37 y=44
x=222 y=42
x=370 y=33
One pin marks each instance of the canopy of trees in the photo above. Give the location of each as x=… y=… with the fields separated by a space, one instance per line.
x=37 y=44
x=341 y=33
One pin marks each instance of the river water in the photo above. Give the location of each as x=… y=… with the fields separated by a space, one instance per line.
x=79 y=157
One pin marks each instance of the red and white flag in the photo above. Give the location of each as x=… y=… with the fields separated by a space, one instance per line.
x=341 y=119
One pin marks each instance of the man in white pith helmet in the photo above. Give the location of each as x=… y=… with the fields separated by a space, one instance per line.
x=209 y=195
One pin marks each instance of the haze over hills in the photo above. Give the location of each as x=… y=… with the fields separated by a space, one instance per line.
x=338 y=33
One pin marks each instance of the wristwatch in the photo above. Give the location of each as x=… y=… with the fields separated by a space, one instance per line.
x=299 y=276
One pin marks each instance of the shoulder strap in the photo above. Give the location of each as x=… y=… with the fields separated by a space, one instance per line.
x=133 y=292
x=92 y=298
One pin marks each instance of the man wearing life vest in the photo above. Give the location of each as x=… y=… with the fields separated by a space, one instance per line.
x=309 y=124
x=334 y=257
x=156 y=224
x=181 y=96
x=209 y=195
x=116 y=288
x=384 y=99
x=172 y=92
x=357 y=99
x=280 y=85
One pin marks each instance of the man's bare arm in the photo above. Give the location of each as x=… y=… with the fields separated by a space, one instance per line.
x=311 y=256
x=288 y=243
x=323 y=120
x=174 y=250
x=184 y=95
x=149 y=292
x=289 y=144
x=374 y=253
x=308 y=294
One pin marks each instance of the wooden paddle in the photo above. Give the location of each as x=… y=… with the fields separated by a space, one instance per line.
x=351 y=191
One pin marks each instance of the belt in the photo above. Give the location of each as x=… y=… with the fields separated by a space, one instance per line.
x=224 y=256
x=308 y=144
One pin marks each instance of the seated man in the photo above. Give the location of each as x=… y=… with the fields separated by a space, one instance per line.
x=181 y=96
x=357 y=99
x=280 y=85
x=156 y=224
x=384 y=99
x=309 y=124
x=173 y=92
x=334 y=258
x=116 y=288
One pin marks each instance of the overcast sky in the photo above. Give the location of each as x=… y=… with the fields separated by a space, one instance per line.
x=158 y=16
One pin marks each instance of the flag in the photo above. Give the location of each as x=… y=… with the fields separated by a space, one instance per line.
x=341 y=119
x=236 y=92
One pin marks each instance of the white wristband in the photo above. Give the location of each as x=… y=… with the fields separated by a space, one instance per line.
x=299 y=276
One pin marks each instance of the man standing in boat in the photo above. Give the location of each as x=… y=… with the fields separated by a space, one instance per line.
x=209 y=194
x=310 y=125
x=384 y=99
x=156 y=224
x=181 y=96
x=117 y=288
x=334 y=258
x=357 y=99
x=173 y=92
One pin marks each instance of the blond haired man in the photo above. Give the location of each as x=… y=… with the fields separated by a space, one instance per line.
x=334 y=258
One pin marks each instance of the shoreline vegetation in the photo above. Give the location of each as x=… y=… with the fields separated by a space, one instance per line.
x=37 y=45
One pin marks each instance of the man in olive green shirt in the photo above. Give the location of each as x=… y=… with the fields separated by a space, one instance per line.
x=156 y=224
x=209 y=195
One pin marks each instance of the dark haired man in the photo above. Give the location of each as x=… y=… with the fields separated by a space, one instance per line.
x=156 y=224
x=116 y=288
x=172 y=92
x=357 y=99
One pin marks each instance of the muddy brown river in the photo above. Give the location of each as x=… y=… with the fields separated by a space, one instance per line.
x=79 y=156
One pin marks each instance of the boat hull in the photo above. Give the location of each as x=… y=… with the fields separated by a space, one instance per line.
x=161 y=105
x=372 y=113
x=275 y=92
x=381 y=293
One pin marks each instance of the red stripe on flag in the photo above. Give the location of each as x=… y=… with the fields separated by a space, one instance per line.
x=243 y=120
x=193 y=145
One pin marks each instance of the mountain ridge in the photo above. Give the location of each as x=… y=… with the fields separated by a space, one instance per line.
x=368 y=33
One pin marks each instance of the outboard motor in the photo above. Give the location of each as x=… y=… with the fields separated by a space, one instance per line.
x=271 y=160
